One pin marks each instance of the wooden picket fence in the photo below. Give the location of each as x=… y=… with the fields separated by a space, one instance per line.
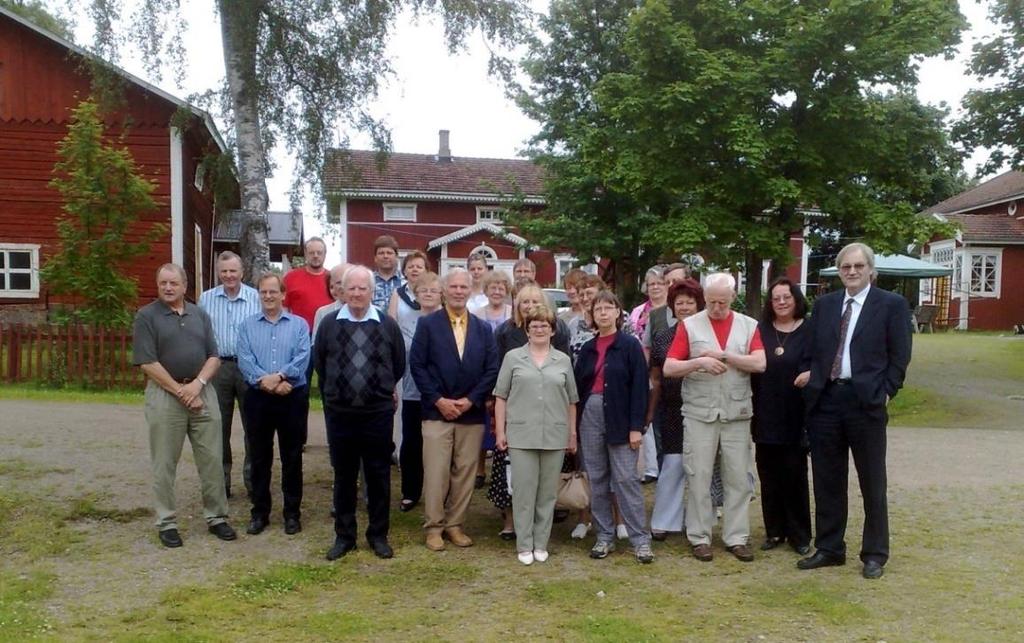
x=77 y=355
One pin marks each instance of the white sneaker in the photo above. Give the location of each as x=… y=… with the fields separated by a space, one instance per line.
x=526 y=557
x=580 y=532
x=621 y=533
x=540 y=555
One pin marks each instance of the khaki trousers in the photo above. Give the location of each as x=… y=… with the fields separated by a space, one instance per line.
x=450 y=455
x=169 y=424
x=701 y=442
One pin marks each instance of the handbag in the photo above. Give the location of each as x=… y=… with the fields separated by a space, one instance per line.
x=573 y=491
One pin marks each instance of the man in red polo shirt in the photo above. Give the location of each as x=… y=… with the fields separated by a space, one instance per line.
x=715 y=351
x=306 y=287
x=306 y=290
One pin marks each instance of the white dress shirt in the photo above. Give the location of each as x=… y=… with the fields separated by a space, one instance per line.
x=845 y=370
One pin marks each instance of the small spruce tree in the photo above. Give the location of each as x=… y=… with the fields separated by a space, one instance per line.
x=103 y=194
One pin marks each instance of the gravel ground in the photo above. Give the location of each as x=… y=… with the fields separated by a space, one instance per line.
x=67 y=451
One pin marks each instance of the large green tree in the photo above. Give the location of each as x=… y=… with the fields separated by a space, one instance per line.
x=100 y=235
x=298 y=73
x=727 y=119
x=580 y=43
x=994 y=114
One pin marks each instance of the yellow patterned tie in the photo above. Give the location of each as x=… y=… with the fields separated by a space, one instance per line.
x=459 y=328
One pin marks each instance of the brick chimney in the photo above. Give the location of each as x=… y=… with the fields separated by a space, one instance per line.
x=444 y=152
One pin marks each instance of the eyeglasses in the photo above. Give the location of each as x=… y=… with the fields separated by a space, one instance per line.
x=850 y=267
x=782 y=298
x=537 y=328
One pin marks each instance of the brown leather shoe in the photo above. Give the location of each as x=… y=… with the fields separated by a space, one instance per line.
x=458 y=537
x=741 y=552
x=434 y=541
x=703 y=553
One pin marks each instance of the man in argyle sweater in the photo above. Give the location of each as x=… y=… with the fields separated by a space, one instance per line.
x=359 y=356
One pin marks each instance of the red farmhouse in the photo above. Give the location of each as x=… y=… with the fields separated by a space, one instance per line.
x=986 y=254
x=447 y=206
x=42 y=77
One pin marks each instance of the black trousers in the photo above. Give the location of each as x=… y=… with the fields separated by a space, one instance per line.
x=267 y=414
x=355 y=438
x=837 y=427
x=785 y=497
x=410 y=456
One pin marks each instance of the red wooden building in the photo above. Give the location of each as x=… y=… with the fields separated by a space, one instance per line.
x=986 y=254
x=445 y=205
x=42 y=77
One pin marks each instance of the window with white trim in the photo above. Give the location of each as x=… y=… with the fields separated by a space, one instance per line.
x=489 y=214
x=985 y=274
x=487 y=251
x=19 y=270
x=400 y=212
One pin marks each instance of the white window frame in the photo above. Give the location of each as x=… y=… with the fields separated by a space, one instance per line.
x=491 y=210
x=32 y=270
x=390 y=215
x=197 y=251
x=997 y=255
x=488 y=252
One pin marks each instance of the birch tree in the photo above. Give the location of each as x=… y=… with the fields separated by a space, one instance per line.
x=299 y=73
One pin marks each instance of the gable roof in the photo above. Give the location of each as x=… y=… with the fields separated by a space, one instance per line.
x=986 y=228
x=1005 y=187
x=284 y=228
x=356 y=173
x=482 y=226
x=174 y=100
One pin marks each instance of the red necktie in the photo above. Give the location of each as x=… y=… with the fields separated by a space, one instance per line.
x=844 y=327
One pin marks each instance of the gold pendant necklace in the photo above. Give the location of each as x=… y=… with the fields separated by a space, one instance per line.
x=781 y=348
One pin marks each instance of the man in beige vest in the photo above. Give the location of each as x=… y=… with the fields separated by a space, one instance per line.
x=715 y=351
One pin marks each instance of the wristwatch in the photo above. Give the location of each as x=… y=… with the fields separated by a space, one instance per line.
x=201 y=381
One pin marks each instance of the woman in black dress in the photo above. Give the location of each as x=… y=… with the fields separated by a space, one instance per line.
x=778 y=423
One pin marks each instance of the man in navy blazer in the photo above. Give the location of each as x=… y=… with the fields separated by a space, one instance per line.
x=858 y=357
x=454 y=362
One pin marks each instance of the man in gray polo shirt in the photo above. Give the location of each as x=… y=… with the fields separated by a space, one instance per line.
x=174 y=345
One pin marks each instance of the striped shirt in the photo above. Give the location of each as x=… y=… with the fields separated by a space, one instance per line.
x=274 y=347
x=226 y=314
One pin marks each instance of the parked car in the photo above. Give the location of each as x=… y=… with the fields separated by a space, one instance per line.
x=558 y=299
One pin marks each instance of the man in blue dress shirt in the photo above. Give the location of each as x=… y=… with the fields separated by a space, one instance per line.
x=273 y=352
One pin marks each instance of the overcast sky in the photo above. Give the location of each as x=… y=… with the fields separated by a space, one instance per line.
x=432 y=90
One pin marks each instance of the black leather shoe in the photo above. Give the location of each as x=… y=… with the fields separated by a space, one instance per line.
x=772 y=543
x=872 y=570
x=340 y=548
x=223 y=531
x=292 y=526
x=381 y=549
x=803 y=550
x=406 y=505
x=820 y=559
x=170 y=538
x=257 y=525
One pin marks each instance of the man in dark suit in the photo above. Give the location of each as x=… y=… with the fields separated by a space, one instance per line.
x=858 y=357
x=454 y=361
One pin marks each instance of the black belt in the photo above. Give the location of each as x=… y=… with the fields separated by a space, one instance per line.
x=184 y=380
x=228 y=358
x=842 y=381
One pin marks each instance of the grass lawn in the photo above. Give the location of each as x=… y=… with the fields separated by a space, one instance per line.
x=963 y=380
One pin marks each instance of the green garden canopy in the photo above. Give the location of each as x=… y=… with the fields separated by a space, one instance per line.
x=900 y=266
